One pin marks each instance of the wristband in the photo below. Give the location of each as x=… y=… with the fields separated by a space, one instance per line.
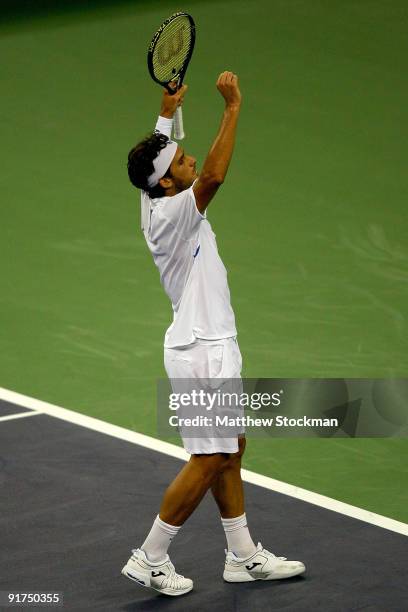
x=164 y=126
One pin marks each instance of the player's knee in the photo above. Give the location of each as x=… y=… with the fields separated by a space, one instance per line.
x=220 y=461
x=211 y=465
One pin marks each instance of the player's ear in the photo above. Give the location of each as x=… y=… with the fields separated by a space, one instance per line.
x=166 y=182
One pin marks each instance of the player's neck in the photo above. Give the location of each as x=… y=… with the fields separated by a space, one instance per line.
x=171 y=191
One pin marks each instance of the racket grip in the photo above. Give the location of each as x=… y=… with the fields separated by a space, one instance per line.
x=178 y=130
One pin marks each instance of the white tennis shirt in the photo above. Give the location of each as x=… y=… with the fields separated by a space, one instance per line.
x=191 y=271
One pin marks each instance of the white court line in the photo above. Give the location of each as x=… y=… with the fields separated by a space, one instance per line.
x=19 y=415
x=175 y=451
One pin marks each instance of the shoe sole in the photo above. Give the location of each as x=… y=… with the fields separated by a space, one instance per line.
x=129 y=573
x=245 y=577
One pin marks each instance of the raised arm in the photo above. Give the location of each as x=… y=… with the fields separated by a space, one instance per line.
x=216 y=164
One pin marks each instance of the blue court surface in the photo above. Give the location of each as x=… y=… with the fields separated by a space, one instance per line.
x=75 y=501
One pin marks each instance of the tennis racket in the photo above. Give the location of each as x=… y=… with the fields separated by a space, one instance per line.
x=169 y=55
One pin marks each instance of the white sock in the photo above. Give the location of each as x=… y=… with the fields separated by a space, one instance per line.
x=158 y=541
x=239 y=540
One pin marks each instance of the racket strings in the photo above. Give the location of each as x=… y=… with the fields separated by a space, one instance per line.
x=171 y=49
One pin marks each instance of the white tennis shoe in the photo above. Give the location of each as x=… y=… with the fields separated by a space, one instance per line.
x=262 y=565
x=159 y=576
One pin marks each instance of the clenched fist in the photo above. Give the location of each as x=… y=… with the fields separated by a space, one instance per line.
x=227 y=85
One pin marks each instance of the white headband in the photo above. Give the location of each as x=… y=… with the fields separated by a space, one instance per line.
x=162 y=163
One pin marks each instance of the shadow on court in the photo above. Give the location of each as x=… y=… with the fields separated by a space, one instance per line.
x=74 y=502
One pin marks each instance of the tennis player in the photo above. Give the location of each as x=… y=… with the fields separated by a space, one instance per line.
x=201 y=343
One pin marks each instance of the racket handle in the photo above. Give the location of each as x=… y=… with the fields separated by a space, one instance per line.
x=178 y=130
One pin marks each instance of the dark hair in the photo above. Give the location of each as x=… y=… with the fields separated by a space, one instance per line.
x=140 y=163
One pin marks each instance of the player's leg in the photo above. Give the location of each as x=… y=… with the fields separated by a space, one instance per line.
x=150 y=565
x=180 y=500
x=245 y=562
x=227 y=488
x=228 y=492
x=184 y=367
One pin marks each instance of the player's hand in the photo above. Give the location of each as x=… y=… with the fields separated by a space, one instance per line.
x=171 y=102
x=227 y=85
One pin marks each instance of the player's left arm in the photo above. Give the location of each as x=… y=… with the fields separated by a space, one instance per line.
x=217 y=162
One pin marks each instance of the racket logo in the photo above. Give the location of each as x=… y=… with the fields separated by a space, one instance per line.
x=171 y=47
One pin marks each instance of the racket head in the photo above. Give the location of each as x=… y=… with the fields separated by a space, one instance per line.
x=171 y=49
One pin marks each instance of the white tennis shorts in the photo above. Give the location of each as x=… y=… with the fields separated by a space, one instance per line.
x=211 y=360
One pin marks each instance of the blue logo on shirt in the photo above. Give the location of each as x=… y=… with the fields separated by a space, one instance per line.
x=196 y=253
